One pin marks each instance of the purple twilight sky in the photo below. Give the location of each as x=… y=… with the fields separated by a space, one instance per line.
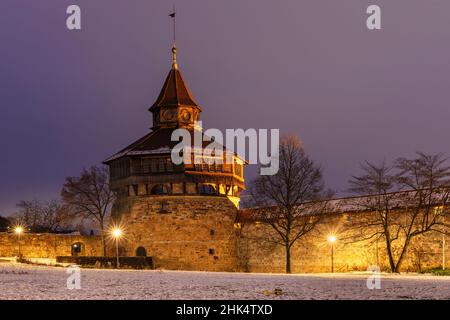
x=69 y=99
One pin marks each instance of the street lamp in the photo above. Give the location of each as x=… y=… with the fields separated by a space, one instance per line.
x=117 y=233
x=18 y=230
x=332 y=239
x=439 y=210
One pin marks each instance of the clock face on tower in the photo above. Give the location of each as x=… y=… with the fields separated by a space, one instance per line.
x=169 y=115
x=185 y=115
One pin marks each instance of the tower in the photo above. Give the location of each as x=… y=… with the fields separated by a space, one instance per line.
x=145 y=168
x=181 y=215
x=175 y=106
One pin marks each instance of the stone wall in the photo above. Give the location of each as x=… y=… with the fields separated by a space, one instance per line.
x=200 y=233
x=181 y=232
x=312 y=253
x=47 y=245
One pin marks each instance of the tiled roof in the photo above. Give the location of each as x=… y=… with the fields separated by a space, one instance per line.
x=174 y=92
x=156 y=142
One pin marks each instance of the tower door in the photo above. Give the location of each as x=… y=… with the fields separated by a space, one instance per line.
x=141 y=252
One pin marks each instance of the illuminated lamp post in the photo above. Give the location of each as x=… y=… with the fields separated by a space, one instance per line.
x=117 y=233
x=331 y=240
x=19 y=230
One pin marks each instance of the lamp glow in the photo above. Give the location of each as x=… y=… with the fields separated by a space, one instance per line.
x=331 y=239
x=18 y=230
x=117 y=233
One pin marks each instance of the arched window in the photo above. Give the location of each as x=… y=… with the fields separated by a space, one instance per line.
x=159 y=189
x=76 y=249
x=141 y=252
x=206 y=189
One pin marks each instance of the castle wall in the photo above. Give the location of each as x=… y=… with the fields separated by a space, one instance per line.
x=312 y=253
x=181 y=232
x=47 y=245
x=199 y=233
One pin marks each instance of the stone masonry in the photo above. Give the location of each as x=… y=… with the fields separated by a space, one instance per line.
x=201 y=233
x=47 y=245
x=182 y=232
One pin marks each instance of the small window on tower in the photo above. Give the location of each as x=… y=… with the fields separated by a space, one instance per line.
x=154 y=165
x=169 y=164
x=206 y=189
x=161 y=165
x=159 y=189
x=211 y=251
x=146 y=165
x=238 y=169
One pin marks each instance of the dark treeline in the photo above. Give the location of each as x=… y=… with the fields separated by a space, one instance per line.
x=4 y=223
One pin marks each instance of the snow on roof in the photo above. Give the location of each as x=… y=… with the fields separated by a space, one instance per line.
x=343 y=205
x=163 y=150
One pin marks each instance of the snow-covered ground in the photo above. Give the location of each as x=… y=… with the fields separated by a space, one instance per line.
x=18 y=281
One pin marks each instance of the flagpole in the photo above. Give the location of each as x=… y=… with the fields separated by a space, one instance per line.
x=174 y=48
x=173 y=15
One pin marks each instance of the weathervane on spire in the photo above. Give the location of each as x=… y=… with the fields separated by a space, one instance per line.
x=174 y=48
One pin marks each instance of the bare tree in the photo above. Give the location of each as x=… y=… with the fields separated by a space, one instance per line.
x=290 y=201
x=377 y=185
x=428 y=179
x=403 y=205
x=89 y=195
x=45 y=216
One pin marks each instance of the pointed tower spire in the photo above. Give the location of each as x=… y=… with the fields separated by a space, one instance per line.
x=175 y=106
x=174 y=47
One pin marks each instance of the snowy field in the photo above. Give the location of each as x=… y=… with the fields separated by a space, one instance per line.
x=19 y=281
